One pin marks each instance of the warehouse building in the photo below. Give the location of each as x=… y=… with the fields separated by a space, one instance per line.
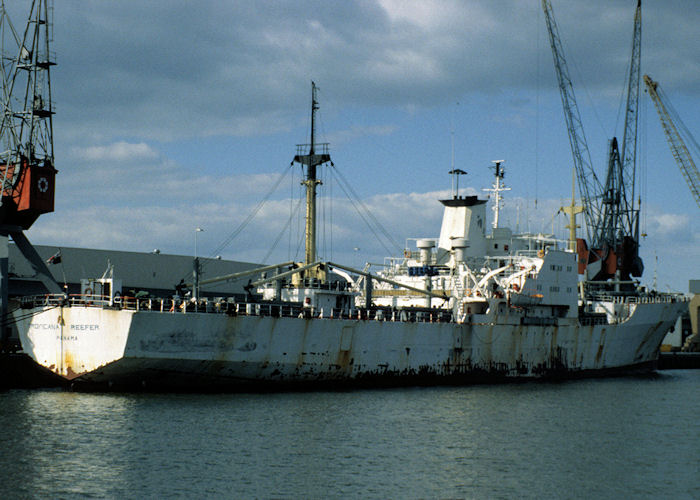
x=155 y=273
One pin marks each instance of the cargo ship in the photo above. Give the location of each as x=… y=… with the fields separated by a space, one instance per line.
x=468 y=305
x=464 y=307
x=485 y=308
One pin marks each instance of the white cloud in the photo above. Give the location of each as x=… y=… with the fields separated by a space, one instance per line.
x=122 y=174
x=118 y=151
x=669 y=226
x=340 y=137
x=420 y=13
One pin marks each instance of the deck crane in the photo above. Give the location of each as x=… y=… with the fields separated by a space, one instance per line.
x=27 y=172
x=678 y=147
x=610 y=211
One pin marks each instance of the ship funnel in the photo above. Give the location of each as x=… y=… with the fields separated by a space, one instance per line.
x=464 y=217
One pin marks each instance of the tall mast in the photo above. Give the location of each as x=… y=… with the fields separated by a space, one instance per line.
x=497 y=189
x=311 y=160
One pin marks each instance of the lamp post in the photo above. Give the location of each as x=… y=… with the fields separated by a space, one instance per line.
x=195 y=288
x=198 y=230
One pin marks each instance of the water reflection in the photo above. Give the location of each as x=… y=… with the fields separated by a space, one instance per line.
x=64 y=443
x=614 y=437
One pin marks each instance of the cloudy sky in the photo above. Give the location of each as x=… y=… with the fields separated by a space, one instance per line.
x=172 y=115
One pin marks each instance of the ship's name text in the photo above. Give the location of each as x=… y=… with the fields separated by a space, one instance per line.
x=89 y=327
x=79 y=327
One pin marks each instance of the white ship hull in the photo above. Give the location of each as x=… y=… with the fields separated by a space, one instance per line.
x=152 y=349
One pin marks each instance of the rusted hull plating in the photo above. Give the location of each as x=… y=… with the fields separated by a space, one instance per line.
x=135 y=349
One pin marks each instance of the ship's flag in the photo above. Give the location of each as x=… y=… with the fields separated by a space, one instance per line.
x=55 y=258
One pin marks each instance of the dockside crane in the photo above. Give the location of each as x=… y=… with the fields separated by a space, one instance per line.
x=669 y=118
x=27 y=172
x=589 y=186
x=610 y=210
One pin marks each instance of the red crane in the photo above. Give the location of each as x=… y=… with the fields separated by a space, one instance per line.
x=27 y=172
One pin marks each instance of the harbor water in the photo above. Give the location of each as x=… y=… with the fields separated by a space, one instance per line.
x=627 y=437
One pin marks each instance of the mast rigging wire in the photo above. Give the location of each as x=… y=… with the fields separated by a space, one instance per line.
x=286 y=226
x=346 y=186
x=227 y=241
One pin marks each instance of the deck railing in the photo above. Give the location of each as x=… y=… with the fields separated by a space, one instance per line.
x=639 y=299
x=231 y=308
x=227 y=306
